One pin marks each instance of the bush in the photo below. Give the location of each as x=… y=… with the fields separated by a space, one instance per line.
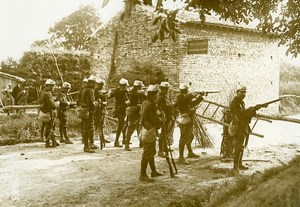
x=137 y=71
x=19 y=128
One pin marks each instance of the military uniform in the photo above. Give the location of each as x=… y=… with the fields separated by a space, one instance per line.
x=227 y=141
x=48 y=107
x=149 y=119
x=88 y=102
x=100 y=113
x=121 y=97
x=62 y=113
x=243 y=116
x=168 y=110
x=185 y=103
x=136 y=97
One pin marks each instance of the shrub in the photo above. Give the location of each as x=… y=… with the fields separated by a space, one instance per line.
x=19 y=128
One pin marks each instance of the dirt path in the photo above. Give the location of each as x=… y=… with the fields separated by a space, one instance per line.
x=66 y=176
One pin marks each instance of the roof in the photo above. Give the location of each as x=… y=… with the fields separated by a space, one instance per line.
x=7 y=75
x=185 y=17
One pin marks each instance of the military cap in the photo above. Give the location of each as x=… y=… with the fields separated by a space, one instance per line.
x=123 y=81
x=85 y=80
x=153 y=88
x=241 y=88
x=66 y=85
x=164 y=85
x=92 y=78
x=183 y=86
x=50 y=82
x=138 y=83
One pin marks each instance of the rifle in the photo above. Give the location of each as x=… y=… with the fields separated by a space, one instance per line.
x=169 y=153
x=52 y=128
x=205 y=93
x=265 y=105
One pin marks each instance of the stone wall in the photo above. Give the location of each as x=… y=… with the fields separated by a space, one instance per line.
x=234 y=57
x=134 y=44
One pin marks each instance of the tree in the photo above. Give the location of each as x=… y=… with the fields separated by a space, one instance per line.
x=72 y=31
x=286 y=25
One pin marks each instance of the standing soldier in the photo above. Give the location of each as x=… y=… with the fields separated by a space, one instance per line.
x=64 y=104
x=227 y=141
x=121 y=98
x=243 y=117
x=168 y=111
x=100 y=112
x=150 y=123
x=48 y=107
x=136 y=97
x=89 y=104
x=186 y=103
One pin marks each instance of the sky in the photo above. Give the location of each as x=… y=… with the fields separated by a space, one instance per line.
x=24 y=21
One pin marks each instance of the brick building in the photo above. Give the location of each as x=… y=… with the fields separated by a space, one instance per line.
x=212 y=56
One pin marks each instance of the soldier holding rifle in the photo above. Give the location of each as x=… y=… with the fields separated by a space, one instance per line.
x=242 y=118
x=186 y=103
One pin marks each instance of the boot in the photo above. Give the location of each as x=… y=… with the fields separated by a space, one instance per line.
x=88 y=150
x=127 y=147
x=117 y=144
x=61 y=137
x=154 y=172
x=67 y=141
x=181 y=160
x=145 y=177
x=47 y=144
x=192 y=155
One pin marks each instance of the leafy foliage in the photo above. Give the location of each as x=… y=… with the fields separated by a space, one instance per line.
x=137 y=71
x=40 y=65
x=72 y=31
x=286 y=24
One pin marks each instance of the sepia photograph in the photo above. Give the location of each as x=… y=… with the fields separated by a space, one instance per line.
x=150 y=103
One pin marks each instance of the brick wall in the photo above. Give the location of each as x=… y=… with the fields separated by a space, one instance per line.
x=234 y=57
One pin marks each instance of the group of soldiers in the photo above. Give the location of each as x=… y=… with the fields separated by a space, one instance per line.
x=144 y=109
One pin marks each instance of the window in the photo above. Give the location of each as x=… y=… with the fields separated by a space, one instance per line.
x=197 y=47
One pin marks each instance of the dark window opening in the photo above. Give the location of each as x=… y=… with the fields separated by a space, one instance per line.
x=197 y=46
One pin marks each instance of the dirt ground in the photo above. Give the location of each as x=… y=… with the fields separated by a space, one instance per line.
x=66 y=176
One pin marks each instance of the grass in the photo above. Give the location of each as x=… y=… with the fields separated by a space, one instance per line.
x=289 y=84
x=218 y=194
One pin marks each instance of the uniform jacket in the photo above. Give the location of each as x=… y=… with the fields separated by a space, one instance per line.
x=47 y=101
x=186 y=102
x=241 y=115
x=87 y=99
x=149 y=115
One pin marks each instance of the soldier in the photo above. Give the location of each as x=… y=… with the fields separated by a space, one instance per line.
x=84 y=85
x=121 y=98
x=186 y=103
x=168 y=111
x=227 y=141
x=100 y=112
x=89 y=104
x=48 y=107
x=243 y=118
x=64 y=104
x=150 y=122
x=136 y=97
